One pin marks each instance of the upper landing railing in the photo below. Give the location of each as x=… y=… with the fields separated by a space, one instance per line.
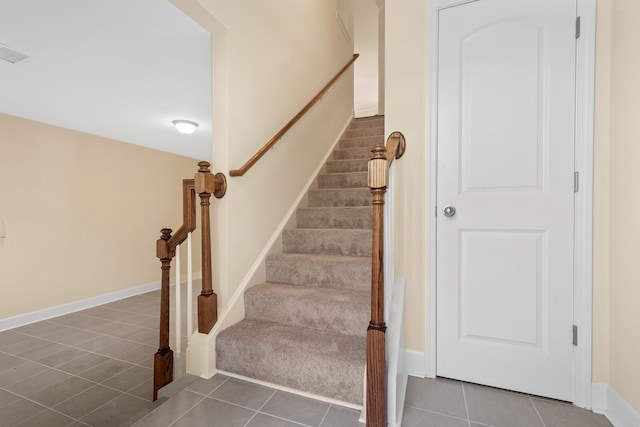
x=205 y=184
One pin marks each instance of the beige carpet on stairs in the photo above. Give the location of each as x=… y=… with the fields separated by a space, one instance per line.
x=305 y=328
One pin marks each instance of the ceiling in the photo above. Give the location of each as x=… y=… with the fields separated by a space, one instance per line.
x=119 y=69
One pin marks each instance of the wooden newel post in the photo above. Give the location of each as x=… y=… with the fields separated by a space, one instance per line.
x=207 y=184
x=376 y=364
x=163 y=359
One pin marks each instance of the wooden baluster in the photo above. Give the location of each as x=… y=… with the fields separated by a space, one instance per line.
x=376 y=363
x=163 y=359
x=207 y=184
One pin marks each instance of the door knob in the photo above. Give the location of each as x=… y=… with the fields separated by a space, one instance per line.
x=449 y=211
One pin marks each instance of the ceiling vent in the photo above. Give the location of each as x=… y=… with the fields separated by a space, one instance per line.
x=11 y=55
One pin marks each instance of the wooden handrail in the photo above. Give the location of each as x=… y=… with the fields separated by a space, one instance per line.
x=205 y=184
x=261 y=152
x=378 y=180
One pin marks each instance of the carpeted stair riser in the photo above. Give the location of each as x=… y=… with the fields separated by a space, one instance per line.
x=328 y=217
x=327 y=242
x=343 y=180
x=339 y=197
x=336 y=166
x=356 y=133
x=370 y=123
x=326 y=271
x=362 y=142
x=341 y=311
x=316 y=362
x=352 y=153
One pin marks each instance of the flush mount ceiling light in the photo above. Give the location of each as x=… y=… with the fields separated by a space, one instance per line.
x=186 y=127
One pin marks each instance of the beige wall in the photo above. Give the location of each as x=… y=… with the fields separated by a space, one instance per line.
x=82 y=214
x=601 y=219
x=617 y=180
x=624 y=241
x=406 y=111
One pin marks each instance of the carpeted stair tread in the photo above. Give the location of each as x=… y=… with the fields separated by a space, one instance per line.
x=323 y=363
x=323 y=309
x=335 y=217
x=351 y=165
x=327 y=241
x=372 y=131
x=352 y=153
x=328 y=271
x=361 y=142
x=339 y=197
x=342 y=180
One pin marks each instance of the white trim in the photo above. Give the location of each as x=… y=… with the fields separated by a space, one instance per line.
x=583 y=278
x=599 y=398
x=72 y=307
x=415 y=364
x=583 y=235
x=294 y=391
x=619 y=411
x=607 y=401
x=366 y=110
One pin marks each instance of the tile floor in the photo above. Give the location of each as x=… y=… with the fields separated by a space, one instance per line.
x=94 y=368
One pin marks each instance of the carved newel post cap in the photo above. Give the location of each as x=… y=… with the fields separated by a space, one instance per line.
x=204 y=167
x=166 y=233
x=162 y=245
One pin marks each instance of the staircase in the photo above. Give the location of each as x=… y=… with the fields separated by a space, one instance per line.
x=305 y=327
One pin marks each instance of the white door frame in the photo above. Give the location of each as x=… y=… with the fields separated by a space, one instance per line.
x=583 y=236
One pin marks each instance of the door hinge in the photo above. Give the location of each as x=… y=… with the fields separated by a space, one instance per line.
x=575 y=335
x=436 y=210
x=578 y=27
x=576 y=182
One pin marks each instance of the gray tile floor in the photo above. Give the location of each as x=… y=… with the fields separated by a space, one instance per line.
x=94 y=368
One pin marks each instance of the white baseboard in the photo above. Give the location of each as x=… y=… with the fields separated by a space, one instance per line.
x=416 y=366
x=60 y=310
x=293 y=391
x=599 y=397
x=366 y=111
x=605 y=400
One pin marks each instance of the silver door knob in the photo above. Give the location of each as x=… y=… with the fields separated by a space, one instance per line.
x=449 y=211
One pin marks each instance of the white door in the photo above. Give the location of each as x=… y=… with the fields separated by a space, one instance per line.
x=506 y=106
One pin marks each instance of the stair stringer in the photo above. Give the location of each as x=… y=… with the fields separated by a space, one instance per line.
x=201 y=348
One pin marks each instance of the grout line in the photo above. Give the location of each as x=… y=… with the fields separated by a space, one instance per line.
x=185 y=412
x=77 y=376
x=466 y=407
x=437 y=413
x=325 y=415
x=259 y=409
x=537 y=412
x=39 y=404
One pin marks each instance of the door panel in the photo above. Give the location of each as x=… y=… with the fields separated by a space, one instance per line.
x=506 y=102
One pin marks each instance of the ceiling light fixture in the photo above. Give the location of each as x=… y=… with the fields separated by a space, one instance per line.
x=186 y=127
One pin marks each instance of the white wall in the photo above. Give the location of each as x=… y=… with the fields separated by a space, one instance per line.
x=366 y=68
